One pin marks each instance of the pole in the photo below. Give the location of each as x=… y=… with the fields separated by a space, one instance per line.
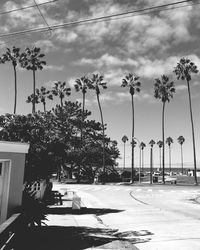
x=140 y=166
x=151 y=165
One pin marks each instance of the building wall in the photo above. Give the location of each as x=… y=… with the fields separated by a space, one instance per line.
x=16 y=179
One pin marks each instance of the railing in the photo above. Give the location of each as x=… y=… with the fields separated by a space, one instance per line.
x=10 y=230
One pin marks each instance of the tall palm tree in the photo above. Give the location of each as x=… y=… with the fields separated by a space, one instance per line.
x=32 y=60
x=183 y=70
x=131 y=81
x=95 y=83
x=124 y=139
x=181 y=140
x=82 y=85
x=61 y=90
x=169 y=141
x=42 y=94
x=12 y=56
x=160 y=144
x=151 y=143
x=163 y=90
x=142 y=146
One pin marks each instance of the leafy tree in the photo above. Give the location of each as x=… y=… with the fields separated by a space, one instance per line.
x=32 y=60
x=160 y=144
x=131 y=81
x=142 y=146
x=12 y=56
x=184 y=69
x=163 y=90
x=97 y=82
x=181 y=140
x=61 y=90
x=124 y=140
x=169 y=141
x=82 y=85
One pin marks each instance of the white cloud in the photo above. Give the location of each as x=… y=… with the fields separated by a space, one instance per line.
x=65 y=36
x=46 y=45
x=54 y=67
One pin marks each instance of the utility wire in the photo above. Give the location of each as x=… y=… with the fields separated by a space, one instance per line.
x=105 y=18
x=41 y=14
x=26 y=7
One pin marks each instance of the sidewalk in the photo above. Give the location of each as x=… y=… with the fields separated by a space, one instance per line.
x=83 y=228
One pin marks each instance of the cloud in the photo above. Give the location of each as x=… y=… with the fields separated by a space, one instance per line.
x=46 y=46
x=54 y=67
x=65 y=36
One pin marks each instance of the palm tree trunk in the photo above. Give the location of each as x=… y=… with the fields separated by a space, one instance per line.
x=61 y=102
x=15 y=100
x=163 y=139
x=140 y=164
x=44 y=104
x=124 y=155
x=33 y=110
x=142 y=160
x=182 y=158
x=151 y=165
x=169 y=159
x=193 y=137
x=132 y=153
x=83 y=110
x=103 y=136
x=160 y=159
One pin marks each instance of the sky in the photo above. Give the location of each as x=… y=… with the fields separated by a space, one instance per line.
x=147 y=45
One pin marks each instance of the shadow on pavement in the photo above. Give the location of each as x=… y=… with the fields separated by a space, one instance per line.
x=78 y=238
x=84 y=210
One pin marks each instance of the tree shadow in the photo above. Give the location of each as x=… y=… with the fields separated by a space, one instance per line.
x=79 y=238
x=83 y=210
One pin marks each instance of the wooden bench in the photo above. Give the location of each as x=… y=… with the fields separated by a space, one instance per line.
x=171 y=180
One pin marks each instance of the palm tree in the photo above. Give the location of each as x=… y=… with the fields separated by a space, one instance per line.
x=169 y=141
x=42 y=94
x=160 y=144
x=61 y=90
x=95 y=83
x=151 y=143
x=82 y=85
x=124 y=139
x=131 y=81
x=142 y=146
x=31 y=59
x=183 y=71
x=163 y=90
x=181 y=140
x=12 y=56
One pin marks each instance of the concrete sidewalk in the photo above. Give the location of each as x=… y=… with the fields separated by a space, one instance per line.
x=87 y=228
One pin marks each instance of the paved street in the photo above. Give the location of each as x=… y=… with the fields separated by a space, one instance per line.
x=146 y=217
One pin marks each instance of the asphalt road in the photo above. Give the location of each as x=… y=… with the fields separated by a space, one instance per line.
x=152 y=217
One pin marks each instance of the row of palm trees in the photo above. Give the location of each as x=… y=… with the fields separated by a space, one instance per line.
x=164 y=90
x=142 y=145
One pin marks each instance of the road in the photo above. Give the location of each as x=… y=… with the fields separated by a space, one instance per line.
x=151 y=217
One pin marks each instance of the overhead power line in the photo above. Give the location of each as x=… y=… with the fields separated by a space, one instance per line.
x=105 y=18
x=26 y=7
x=41 y=14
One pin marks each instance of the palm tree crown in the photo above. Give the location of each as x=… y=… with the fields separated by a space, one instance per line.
x=184 y=69
x=151 y=143
x=181 y=140
x=169 y=141
x=160 y=144
x=60 y=89
x=131 y=81
x=142 y=145
x=164 y=89
x=124 y=139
